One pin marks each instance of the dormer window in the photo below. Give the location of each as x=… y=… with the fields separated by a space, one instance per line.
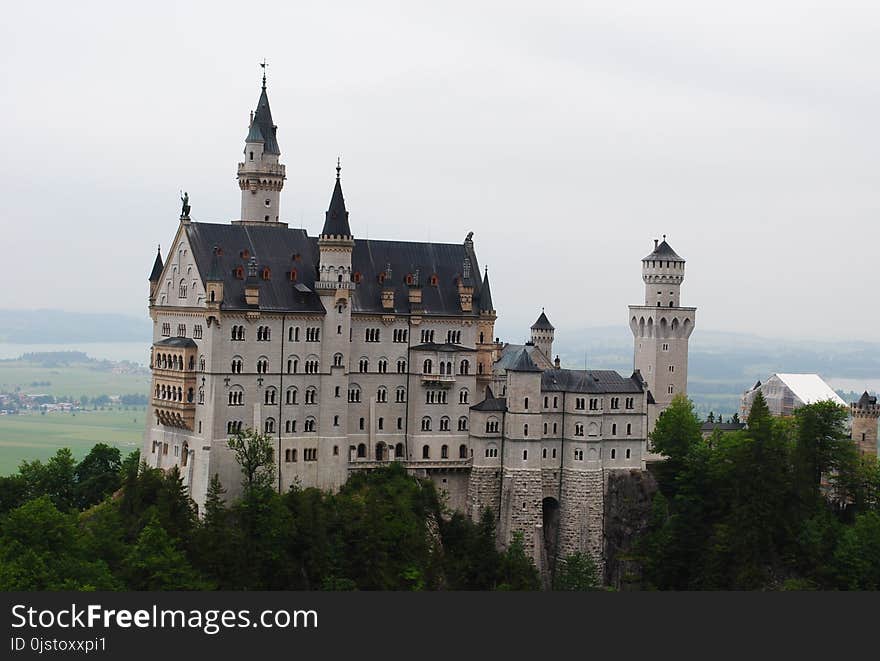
x=409 y=279
x=382 y=277
x=434 y=280
x=293 y=275
x=357 y=277
x=267 y=274
x=239 y=273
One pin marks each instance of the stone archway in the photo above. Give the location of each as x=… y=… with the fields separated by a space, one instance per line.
x=550 y=520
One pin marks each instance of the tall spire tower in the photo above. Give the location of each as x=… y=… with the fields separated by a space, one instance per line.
x=662 y=327
x=261 y=175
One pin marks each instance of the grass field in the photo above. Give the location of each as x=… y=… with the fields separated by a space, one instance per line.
x=35 y=436
x=75 y=380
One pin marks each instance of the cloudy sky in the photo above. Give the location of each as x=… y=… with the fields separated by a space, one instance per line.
x=566 y=136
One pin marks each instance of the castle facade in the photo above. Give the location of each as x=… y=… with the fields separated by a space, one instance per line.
x=352 y=353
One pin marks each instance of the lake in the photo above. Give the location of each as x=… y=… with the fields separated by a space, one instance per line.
x=136 y=352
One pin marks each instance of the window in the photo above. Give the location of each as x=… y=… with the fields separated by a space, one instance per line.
x=453 y=337
x=579 y=429
x=290 y=398
x=526 y=404
x=262 y=365
x=371 y=335
x=381 y=424
x=181 y=291
x=335 y=420
x=310 y=454
x=555 y=402
x=672 y=368
x=463 y=423
x=337 y=360
x=630 y=402
x=444 y=452
x=544 y=453
x=361 y=424
x=670 y=389
x=312 y=366
x=270 y=396
x=270 y=425
x=383 y=366
x=578 y=455
x=580 y=403
x=554 y=453
x=615 y=402
x=264 y=333
x=491 y=451
x=613 y=453
x=525 y=430
x=427 y=366
x=629 y=429
x=427 y=336
x=311 y=395
x=197 y=332
x=545 y=428
x=361 y=451
x=464 y=367
x=444 y=424
x=463 y=396
x=401 y=367
x=382 y=394
x=400 y=394
x=426 y=424
x=399 y=335
x=628 y=453
x=292 y=365
x=594 y=404
x=181 y=330
x=525 y=455
x=313 y=334
x=293 y=334
x=614 y=430
x=426 y=452
x=310 y=425
x=665 y=347
x=236 y=365
x=363 y=365
x=462 y=451
x=400 y=426
x=492 y=426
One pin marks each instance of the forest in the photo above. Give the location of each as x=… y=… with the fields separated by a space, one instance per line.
x=786 y=504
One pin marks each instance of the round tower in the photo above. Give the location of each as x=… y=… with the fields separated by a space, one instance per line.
x=261 y=175
x=865 y=413
x=542 y=335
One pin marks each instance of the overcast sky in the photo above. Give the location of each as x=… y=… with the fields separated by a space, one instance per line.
x=566 y=136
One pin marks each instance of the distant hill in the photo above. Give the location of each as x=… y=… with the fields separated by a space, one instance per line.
x=60 y=327
x=723 y=365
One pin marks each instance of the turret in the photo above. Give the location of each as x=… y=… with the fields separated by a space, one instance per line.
x=261 y=175
x=335 y=245
x=663 y=273
x=865 y=414
x=542 y=335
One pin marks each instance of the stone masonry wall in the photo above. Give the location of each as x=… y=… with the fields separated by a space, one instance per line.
x=581 y=525
x=483 y=490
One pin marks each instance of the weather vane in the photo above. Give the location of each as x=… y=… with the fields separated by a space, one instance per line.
x=263 y=65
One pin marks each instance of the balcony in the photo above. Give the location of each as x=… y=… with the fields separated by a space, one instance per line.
x=444 y=380
x=175 y=414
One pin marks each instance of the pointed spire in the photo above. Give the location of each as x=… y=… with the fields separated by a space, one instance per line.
x=524 y=363
x=543 y=323
x=156 y=273
x=336 y=218
x=486 y=294
x=262 y=128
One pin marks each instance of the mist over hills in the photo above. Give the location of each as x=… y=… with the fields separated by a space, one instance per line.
x=61 y=327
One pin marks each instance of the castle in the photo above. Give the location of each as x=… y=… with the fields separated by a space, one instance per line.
x=352 y=353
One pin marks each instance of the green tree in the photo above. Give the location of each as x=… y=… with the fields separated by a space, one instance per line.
x=576 y=572
x=155 y=563
x=517 y=571
x=97 y=475
x=42 y=548
x=255 y=455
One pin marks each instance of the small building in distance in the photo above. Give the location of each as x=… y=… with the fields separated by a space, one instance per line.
x=708 y=428
x=865 y=414
x=786 y=392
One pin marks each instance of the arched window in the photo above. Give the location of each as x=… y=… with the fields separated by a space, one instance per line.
x=444 y=423
x=614 y=430
x=290 y=397
x=463 y=396
x=426 y=452
x=311 y=395
x=525 y=430
x=526 y=404
x=427 y=366
x=309 y=425
x=363 y=365
x=354 y=393
x=463 y=423
x=270 y=395
x=426 y=424
x=400 y=394
x=444 y=452
x=462 y=451
x=465 y=367
x=337 y=360
x=270 y=425
x=382 y=394
x=292 y=365
x=237 y=364
x=629 y=430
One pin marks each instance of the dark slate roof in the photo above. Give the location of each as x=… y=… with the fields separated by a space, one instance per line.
x=664 y=251
x=486 y=295
x=543 y=323
x=275 y=246
x=445 y=260
x=262 y=129
x=523 y=363
x=867 y=400
x=177 y=342
x=491 y=404
x=448 y=348
x=156 y=273
x=336 y=217
x=722 y=426
x=510 y=352
x=215 y=273
x=589 y=381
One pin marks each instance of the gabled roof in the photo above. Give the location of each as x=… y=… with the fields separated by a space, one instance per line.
x=510 y=352
x=445 y=348
x=491 y=404
x=543 y=323
x=262 y=129
x=336 y=217
x=664 y=251
x=523 y=363
x=810 y=388
x=590 y=381
x=156 y=273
